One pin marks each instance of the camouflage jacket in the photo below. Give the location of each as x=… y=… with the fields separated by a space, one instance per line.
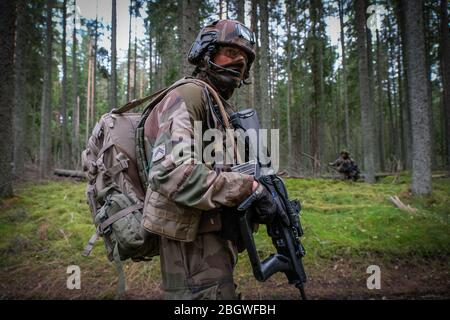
x=182 y=193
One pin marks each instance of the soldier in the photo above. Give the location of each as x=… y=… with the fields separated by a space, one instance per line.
x=346 y=165
x=186 y=201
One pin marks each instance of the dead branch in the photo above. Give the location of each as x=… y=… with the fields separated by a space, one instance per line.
x=399 y=204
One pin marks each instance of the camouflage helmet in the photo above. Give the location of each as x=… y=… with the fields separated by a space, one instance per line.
x=223 y=33
x=344 y=151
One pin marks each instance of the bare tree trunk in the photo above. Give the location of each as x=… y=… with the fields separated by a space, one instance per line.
x=406 y=116
x=364 y=93
x=142 y=73
x=188 y=32
x=75 y=108
x=403 y=139
x=114 y=55
x=445 y=73
x=94 y=70
x=7 y=33
x=344 y=74
x=289 y=83
x=151 y=57
x=46 y=107
x=418 y=97
x=316 y=47
x=256 y=89
x=64 y=142
x=380 y=103
x=20 y=103
x=372 y=98
x=129 y=75
x=264 y=65
x=427 y=35
x=240 y=10
x=89 y=90
x=391 y=92
x=135 y=71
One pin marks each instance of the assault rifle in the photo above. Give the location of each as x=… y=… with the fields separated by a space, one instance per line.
x=285 y=236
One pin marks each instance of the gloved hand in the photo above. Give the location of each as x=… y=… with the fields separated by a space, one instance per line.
x=267 y=207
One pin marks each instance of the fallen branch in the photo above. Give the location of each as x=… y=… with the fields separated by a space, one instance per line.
x=69 y=173
x=399 y=204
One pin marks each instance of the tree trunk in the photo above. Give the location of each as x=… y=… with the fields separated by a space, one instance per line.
x=372 y=97
x=256 y=89
x=428 y=27
x=7 y=33
x=189 y=28
x=445 y=73
x=64 y=142
x=94 y=70
x=316 y=60
x=113 y=90
x=264 y=65
x=89 y=90
x=46 y=106
x=406 y=116
x=129 y=76
x=418 y=97
x=135 y=63
x=75 y=109
x=391 y=94
x=151 y=57
x=364 y=93
x=240 y=10
x=344 y=75
x=20 y=103
x=380 y=102
x=288 y=18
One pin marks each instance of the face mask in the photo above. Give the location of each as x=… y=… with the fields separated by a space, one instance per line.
x=226 y=77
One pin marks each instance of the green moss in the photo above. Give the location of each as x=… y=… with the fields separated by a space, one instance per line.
x=51 y=222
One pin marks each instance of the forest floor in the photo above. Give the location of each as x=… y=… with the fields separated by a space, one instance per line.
x=348 y=227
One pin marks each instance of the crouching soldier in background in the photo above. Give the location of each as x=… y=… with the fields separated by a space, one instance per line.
x=346 y=165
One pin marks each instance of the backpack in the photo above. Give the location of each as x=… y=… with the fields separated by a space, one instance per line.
x=115 y=165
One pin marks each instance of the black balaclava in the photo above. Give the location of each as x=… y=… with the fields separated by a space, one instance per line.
x=222 y=77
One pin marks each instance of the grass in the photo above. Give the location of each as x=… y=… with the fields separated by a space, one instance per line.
x=45 y=227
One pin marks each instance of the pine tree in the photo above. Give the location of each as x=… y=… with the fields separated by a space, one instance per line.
x=7 y=33
x=445 y=73
x=367 y=124
x=418 y=97
x=113 y=90
x=46 y=106
x=20 y=103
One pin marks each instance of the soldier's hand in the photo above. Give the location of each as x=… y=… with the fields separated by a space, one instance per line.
x=266 y=207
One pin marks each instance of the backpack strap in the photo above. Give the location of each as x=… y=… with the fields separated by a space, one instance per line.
x=121 y=287
x=223 y=113
x=136 y=102
x=119 y=215
x=90 y=245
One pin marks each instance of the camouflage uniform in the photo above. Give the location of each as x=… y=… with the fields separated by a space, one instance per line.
x=346 y=166
x=182 y=200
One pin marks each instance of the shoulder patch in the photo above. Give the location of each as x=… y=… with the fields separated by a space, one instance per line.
x=158 y=153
